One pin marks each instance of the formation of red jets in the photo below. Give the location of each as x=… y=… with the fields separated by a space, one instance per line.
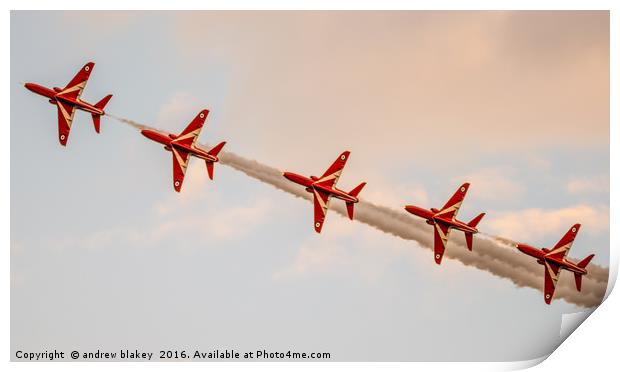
x=183 y=145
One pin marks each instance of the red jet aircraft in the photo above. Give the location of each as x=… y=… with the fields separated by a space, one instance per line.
x=445 y=219
x=68 y=99
x=555 y=259
x=324 y=187
x=184 y=145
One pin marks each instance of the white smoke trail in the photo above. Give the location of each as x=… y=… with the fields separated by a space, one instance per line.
x=134 y=124
x=495 y=255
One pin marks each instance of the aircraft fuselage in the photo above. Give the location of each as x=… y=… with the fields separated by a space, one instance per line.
x=433 y=216
x=167 y=139
x=54 y=96
x=311 y=184
x=541 y=255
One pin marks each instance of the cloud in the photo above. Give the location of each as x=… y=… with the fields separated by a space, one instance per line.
x=238 y=221
x=494 y=184
x=178 y=111
x=198 y=212
x=201 y=212
x=346 y=248
x=382 y=191
x=445 y=85
x=535 y=224
x=101 y=19
x=321 y=257
x=594 y=185
x=538 y=162
x=177 y=220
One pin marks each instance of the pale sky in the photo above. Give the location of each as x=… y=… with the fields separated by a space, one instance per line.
x=104 y=253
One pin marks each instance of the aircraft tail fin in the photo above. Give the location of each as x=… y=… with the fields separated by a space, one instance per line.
x=355 y=192
x=583 y=263
x=350 y=210
x=104 y=101
x=209 y=169
x=578 y=281
x=97 y=122
x=100 y=105
x=476 y=220
x=469 y=238
x=216 y=150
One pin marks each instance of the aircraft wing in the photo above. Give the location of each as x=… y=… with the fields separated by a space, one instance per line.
x=180 y=159
x=560 y=250
x=452 y=206
x=65 y=118
x=441 y=239
x=76 y=85
x=192 y=131
x=321 y=203
x=552 y=274
x=332 y=174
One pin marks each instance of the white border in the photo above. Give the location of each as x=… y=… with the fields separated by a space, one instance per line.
x=593 y=346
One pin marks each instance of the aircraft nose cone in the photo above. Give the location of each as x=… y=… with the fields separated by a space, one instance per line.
x=522 y=248
x=148 y=134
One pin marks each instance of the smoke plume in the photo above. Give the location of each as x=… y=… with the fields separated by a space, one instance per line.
x=495 y=255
